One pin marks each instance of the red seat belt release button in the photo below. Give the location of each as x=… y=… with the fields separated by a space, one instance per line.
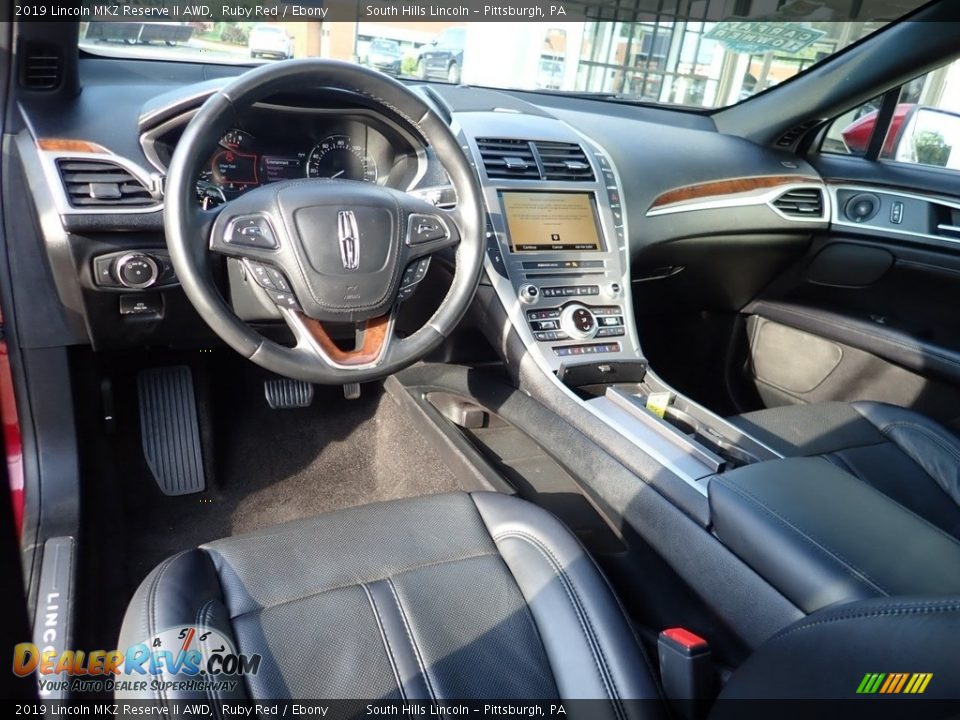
x=686 y=669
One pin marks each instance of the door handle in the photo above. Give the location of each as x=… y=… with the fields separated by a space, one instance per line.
x=661 y=273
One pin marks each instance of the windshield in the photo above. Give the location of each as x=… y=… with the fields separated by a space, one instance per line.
x=652 y=57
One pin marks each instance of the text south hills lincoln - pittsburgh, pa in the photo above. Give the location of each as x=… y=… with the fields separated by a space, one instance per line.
x=434 y=10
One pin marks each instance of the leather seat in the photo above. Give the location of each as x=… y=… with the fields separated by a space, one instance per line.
x=483 y=596
x=908 y=457
x=448 y=596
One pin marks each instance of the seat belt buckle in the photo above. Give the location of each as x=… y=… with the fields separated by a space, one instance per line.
x=686 y=671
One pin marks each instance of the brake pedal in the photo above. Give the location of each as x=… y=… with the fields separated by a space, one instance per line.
x=286 y=394
x=170 y=430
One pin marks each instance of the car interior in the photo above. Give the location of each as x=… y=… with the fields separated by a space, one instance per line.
x=535 y=395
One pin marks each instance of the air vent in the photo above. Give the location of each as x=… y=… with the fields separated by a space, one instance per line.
x=801 y=203
x=564 y=161
x=101 y=183
x=790 y=138
x=41 y=67
x=508 y=159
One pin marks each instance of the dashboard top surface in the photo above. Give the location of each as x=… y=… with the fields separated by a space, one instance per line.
x=655 y=149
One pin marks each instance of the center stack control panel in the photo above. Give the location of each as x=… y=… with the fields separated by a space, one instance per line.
x=557 y=250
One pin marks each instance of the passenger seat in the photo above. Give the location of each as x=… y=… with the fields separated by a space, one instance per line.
x=908 y=457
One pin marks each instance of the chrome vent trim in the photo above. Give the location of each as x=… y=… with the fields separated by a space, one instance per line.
x=804 y=202
x=102 y=183
x=515 y=159
x=564 y=161
x=508 y=159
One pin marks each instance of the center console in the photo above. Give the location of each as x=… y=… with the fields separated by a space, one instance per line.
x=556 y=253
x=558 y=258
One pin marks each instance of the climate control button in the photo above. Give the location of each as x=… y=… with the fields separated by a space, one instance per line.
x=578 y=322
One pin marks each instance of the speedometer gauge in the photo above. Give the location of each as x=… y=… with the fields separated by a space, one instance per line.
x=338 y=156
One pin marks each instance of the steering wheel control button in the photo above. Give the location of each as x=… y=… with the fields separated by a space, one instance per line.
x=278 y=280
x=425 y=228
x=251 y=231
x=262 y=277
x=284 y=299
x=137 y=271
x=578 y=322
x=415 y=272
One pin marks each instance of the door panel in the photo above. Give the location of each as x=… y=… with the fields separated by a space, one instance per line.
x=869 y=313
x=789 y=366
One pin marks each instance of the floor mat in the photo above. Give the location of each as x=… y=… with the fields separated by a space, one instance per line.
x=268 y=466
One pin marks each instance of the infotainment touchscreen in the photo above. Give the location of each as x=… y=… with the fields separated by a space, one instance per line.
x=551 y=221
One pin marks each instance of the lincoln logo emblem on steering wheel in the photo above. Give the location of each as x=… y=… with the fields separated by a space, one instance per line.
x=349 y=238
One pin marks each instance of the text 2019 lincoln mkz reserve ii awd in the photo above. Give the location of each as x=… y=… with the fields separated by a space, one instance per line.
x=608 y=367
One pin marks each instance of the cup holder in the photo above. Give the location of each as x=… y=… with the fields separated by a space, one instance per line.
x=684 y=422
x=707 y=436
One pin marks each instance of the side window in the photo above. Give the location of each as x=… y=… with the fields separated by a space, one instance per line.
x=923 y=128
x=850 y=133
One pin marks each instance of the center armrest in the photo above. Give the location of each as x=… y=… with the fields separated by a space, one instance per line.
x=821 y=536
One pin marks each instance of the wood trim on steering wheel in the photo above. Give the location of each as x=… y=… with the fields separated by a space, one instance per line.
x=375 y=332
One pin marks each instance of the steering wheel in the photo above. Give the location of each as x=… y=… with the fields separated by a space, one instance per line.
x=324 y=250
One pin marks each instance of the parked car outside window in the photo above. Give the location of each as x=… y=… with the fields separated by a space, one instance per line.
x=270 y=41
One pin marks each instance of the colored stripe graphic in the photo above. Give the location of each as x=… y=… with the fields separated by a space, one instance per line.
x=894 y=683
x=900 y=684
x=870 y=683
x=891 y=680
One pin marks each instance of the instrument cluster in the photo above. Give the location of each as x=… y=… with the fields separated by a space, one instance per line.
x=357 y=148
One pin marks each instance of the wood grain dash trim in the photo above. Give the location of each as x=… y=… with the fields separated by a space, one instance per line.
x=374 y=338
x=702 y=191
x=67 y=145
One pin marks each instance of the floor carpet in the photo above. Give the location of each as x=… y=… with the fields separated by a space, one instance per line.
x=264 y=467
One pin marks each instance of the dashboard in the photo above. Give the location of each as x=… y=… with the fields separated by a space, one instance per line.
x=273 y=143
x=549 y=238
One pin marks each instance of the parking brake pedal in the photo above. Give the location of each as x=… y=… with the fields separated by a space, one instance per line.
x=169 y=429
x=286 y=394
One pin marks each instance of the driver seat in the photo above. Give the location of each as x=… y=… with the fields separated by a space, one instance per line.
x=476 y=597
x=449 y=596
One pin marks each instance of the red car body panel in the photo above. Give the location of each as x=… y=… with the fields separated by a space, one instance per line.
x=858 y=133
x=11 y=437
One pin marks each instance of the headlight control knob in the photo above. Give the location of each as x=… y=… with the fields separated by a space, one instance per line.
x=578 y=322
x=137 y=271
